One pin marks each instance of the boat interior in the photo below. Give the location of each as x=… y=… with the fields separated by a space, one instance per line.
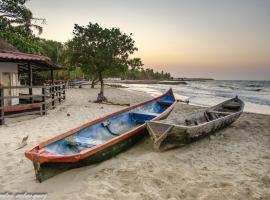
x=193 y=119
x=105 y=130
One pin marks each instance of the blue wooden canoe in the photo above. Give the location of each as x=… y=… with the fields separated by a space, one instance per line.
x=98 y=140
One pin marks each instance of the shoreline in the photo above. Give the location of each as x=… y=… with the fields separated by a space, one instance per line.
x=206 y=102
x=218 y=167
x=164 y=82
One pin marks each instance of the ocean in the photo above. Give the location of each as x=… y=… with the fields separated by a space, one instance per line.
x=255 y=94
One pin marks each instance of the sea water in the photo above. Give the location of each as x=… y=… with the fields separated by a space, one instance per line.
x=255 y=94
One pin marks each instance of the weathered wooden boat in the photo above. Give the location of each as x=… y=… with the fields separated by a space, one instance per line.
x=179 y=130
x=98 y=140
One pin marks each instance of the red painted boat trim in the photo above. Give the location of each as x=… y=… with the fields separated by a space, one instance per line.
x=48 y=157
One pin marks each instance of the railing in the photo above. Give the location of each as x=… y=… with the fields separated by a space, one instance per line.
x=49 y=97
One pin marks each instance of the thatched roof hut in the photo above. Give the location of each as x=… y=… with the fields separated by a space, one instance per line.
x=4 y=45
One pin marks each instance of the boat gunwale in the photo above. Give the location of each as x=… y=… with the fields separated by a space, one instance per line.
x=36 y=157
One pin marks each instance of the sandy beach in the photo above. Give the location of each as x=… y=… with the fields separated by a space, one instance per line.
x=232 y=164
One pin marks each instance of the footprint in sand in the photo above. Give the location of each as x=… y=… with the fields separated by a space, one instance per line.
x=221 y=185
x=107 y=171
x=8 y=168
x=244 y=124
x=2 y=180
x=124 y=190
x=266 y=181
x=28 y=172
x=126 y=173
x=7 y=144
x=9 y=154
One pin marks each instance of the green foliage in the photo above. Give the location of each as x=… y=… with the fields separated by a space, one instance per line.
x=145 y=74
x=15 y=17
x=34 y=45
x=98 y=49
x=16 y=23
x=52 y=49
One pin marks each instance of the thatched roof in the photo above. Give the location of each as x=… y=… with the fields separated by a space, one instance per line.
x=39 y=63
x=9 y=53
x=4 y=45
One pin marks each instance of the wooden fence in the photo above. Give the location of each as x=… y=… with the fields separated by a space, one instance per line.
x=49 y=97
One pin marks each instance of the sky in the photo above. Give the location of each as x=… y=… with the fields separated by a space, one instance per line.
x=221 y=39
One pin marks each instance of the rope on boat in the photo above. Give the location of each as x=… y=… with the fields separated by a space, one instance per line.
x=106 y=125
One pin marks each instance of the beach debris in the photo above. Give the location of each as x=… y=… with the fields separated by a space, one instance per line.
x=110 y=103
x=212 y=137
x=68 y=114
x=116 y=85
x=23 y=143
x=116 y=104
x=183 y=101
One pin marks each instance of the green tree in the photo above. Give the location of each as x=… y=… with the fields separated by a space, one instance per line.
x=16 y=17
x=34 y=45
x=102 y=51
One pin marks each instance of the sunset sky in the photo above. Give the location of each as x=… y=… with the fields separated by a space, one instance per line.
x=222 y=39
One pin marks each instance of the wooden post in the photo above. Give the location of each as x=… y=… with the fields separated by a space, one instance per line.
x=30 y=79
x=2 y=113
x=52 y=93
x=43 y=100
x=52 y=77
x=59 y=93
x=56 y=92
x=64 y=92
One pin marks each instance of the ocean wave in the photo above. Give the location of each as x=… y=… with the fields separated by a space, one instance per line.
x=256 y=90
x=213 y=92
x=254 y=85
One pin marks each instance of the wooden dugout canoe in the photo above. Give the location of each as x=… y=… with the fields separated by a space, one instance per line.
x=179 y=130
x=98 y=140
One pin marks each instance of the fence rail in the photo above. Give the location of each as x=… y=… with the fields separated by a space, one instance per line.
x=50 y=96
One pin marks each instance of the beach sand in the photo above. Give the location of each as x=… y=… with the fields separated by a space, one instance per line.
x=232 y=164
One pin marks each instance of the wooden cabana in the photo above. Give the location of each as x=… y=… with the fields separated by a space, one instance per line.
x=29 y=63
x=13 y=63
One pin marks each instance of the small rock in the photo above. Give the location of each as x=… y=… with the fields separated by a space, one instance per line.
x=68 y=114
x=212 y=137
x=204 y=168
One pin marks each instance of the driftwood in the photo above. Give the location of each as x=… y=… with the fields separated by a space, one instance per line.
x=183 y=129
x=183 y=101
x=111 y=103
x=115 y=85
x=23 y=143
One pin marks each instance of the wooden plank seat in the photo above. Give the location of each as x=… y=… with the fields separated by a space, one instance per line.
x=232 y=105
x=165 y=102
x=219 y=112
x=141 y=117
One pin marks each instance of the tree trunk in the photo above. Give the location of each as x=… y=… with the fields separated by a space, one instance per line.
x=94 y=82
x=101 y=96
